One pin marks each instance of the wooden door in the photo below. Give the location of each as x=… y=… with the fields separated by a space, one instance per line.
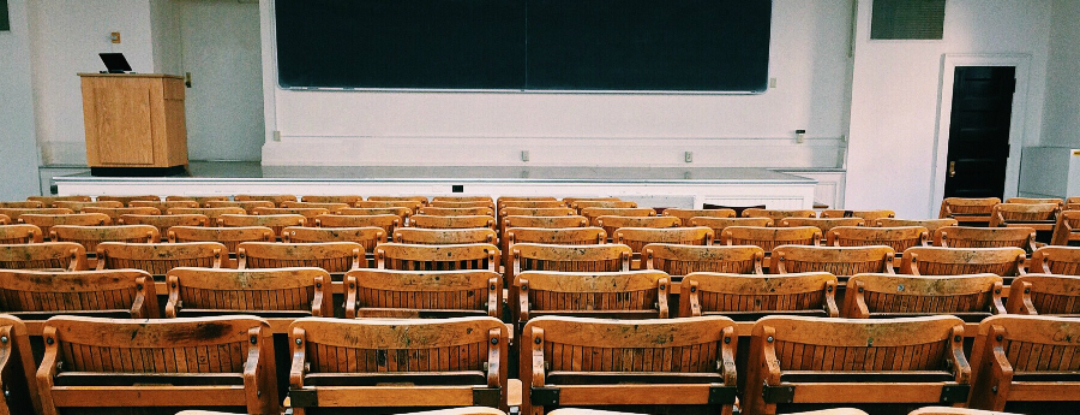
x=979 y=131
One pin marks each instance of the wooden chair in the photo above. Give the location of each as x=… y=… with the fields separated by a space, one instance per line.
x=777 y=215
x=420 y=294
x=824 y=224
x=932 y=260
x=277 y=200
x=611 y=223
x=580 y=205
x=126 y=200
x=502 y=199
x=165 y=222
x=166 y=205
x=116 y=213
x=46 y=222
x=769 y=238
x=77 y=207
x=580 y=258
x=14 y=214
x=569 y=200
x=680 y=366
x=685 y=215
x=29 y=204
x=283 y=293
x=398 y=363
x=868 y=215
x=64 y=256
x=309 y=214
x=898 y=238
x=112 y=365
x=91 y=236
x=366 y=236
x=249 y=206
x=230 y=237
x=531 y=204
x=411 y=257
x=556 y=236
x=1038 y=216
x=1059 y=260
x=1035 y=200
x=521 y=221
x=719 y=224
x=943 y=410
x=592 y=213
x=401 y=212
x=750 y=297
x=1045 y=294
x=931 y=225
x=1067 y=228
x=463 y=204
x=423 y=200
x=969 y=297
x=975 y=211
x=452 y=222
x=412 y=205
x=678 y=260
x=899 y=362
x=35 y=296
x=632 y=295
x=840 y=261
x=158 y=259
x=346 y=199
x=48 y=201
x=275 y=222
x=973 y=237
x=1020 y=360
x=445 y=236
x=469 y=211
x=462 y=199
x=332 y=207
x=20 y=234
x=213 y=214
x=5 y=220
x=638 y=238
x=17 y=369
x=334 y=257
x=201 y=200
x=528 y=211
x=388 y=222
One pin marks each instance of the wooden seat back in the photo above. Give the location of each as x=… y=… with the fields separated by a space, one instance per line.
x=719 y=224
x=542 y=211
x=20 y=234
x=574 y=258
x=5 y=220
x=422 y=294
x=346 y=199
x=611 y=223
x=277 y=200
x=388 y=222
x=158 y=259
x=423 y=200
x=970 y=297
x=366 y=236
x=974 y=237
x=65 y=256
x=465 y=211
x=463 y=204
x=825 y=224
x=164 y=206
x=230 y=237
x=1045 y=294
x=581 y=205
x=29 y=204
x=275 y=222
x=401 y=212
x=46 y=222
x=398 y=363
x=77 y=207
x=213 y=214
x=572 y=199
x=452 y=222
x=968 y=210
x=574 y=362
x=334 y=257
x=556 y=236
x=868 y=215
x=592 y=213
x=932 y=260
x=108 y=364
x=566 y=221
x=201 y=200
x=898 y=238
x=1035 y=200
x=309 y=214
x=1020 y=359
x=38 y=295
x=126 y=200
x=164 y=222
x=931 y=225
x=638 y=238
x=445 y=236
x=91 y=236
x=619 y=295
x=530 y=204
x=330 y=206
x=770 y=238
x=412 y=257
x=1067 y=228
x=249 y=206
x=502 y=199
x=685 y=215
x=840 y=261
x=1062 y=260
x=459 y=199
x=749 y=297
x=1040 y=216
x=13 y=214
x=49 y=201
x=267 y=293
x=778 y=214
x=17 y=369
x=678 y=260
x=803 y=360
x=116 y=213
x=412 y=205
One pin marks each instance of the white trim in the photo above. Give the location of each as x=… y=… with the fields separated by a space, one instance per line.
x=1022 y=62
x=269 y=66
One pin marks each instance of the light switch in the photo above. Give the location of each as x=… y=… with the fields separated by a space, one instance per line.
x=114 y=37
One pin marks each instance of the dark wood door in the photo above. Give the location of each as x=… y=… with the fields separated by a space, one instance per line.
x=979 y=131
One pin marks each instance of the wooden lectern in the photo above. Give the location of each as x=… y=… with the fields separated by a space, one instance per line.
x=135 y=124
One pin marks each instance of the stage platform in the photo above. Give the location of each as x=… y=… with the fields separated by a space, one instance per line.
x=649 y=186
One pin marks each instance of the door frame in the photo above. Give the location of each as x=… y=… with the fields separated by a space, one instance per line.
x=949 y=62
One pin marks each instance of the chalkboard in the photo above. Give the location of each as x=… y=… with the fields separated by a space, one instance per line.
x=532 y=45
x=5 y=22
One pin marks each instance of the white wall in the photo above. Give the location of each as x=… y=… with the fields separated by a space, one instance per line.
x=66 y=37
x=1061 y=124
x=809 y=58
x=895 y=91
x=165 y=36
x=19 y=155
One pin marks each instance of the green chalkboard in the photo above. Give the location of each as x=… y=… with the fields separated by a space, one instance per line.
x=5 y=23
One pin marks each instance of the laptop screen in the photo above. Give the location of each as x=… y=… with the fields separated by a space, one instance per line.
x=115 y=62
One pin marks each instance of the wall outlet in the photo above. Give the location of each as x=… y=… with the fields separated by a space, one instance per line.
x=525 y=155
x=114 y=37
x=277 y=135
x=688 y=156
x=800 y=136
x=772 y=82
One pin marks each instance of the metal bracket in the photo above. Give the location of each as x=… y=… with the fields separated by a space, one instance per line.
x=301 y=398
x=544 y=396
x=722 y=395
x=952 y=394
x=488 y=397
x=778 y=394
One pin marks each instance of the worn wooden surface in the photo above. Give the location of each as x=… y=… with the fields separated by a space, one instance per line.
x=412 y=205
x=556 y=236
x=868 y=215
x=581 y=205
x=769 y=238
x=931 y=225
x=211 y=213
x=542 y=211
x=91 y=236
x=201 y=200
x=611 y=223
x=707 y=293
x=330 y=206
x=889 y=295
x=1063 y=260
x=388 y=222
x=17 y=369
x=165 y=222
x=275 y=222
x=158 y=259
x=1036 y=200
x=346 y=199
x=685 y=215
x=437 y=257
x=584 y=258
x=29 y=204
x=126 y=200
x=1045 y=294
x=679 y=260
x=530 y=204
x=249 y=206
x=637 y=238
x=452 y=222
x=463 y=204
x=1006 y=262
x=1067 y=228
x=592 y=213
x=37 y=295
x=718 y=224
x=309 y=214
x=825 y=224
x=77 y=207
x=366 y=236
x=840 y=261
x=975 y=237
x=20 y=234
x=1011 y=350
x=334 y=257
x=968 y=210
x=277 y=200
x=460 y=211
x=420 y=199
x=13 y=214
x=1040 y=216
x=69 y=256
x=414 y=293
x=445 y=236
x=620 y=295
x=164 y=206
x=263 y=292
x=230 y=237
x=5 y=220
x=116 y=213
x=48 y=201
x=898 y=238
x=776 y=214
x=46 y=222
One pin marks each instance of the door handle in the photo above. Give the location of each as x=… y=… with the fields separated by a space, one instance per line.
x=952 y=169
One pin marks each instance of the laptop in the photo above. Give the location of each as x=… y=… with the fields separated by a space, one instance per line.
x=115 y=62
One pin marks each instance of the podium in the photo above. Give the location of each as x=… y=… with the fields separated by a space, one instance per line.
x=135 y=124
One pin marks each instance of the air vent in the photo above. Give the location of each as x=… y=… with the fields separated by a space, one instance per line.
x=907 y=19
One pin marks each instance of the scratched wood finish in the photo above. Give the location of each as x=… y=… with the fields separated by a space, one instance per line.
x=277 y=200
x=1035 y=200
x=346 y=199
x=556 y=236
x=14 y=214
x=126 y=200
x=422 y=200
x=412 y=257
x=77 y=207
x=620 y=295
x=460 y=199
x=309 y=214
x=1067 y=228
x=840 y=261
x=931 y=225
x=224 y=291
x=158 y=259
x=452 y=222
x=638 y=237
x=685 y=215
x=397 y=292
x=166 y=205
x=868 y=215
x=46 y=222
x=502 y=199
x=462 y=211
x=778 y=214
x=116 y=213
x=5 y=220
x=211 y=213
x=275 y=222
x=1009 y=353
x=29 y=204
x=824 y=347
x=770 y=238
x=463 y=204
x=67 y=256
x=932 y=260
x=898 y=238
x=974 y=237
x=531 y=204
x=413 y=205
x=165 y=222
x=592 y=213
x=611 y=223
x=890 y=295
x=330 y=206
x=201 y=200
x=388 y=222
x=114 y=293
x=1064 y=260
x=20 y=234
x=366 y=236
x=565 y=221
x=968 y=210
x=91 y=236
x=708 y=293
x=1041 y=216
x=679 y=260
x=1045 y=294
x=334 y=257
x=543 y=211
x=17 y=369
x=248 y=206
x=704 y=346
x=582 y=258
x=572 y=199
x=230 y=237
x=719 y=224
x=48 y=201
x=203 y=351
x=825 y=224
x=581 y=205
x=422 y=236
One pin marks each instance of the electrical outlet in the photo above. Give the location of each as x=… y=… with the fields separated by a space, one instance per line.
x=800 y=136
x=114 y=37
x=688 y=156
x=525 y=155
x=277 y=135
x=772 y=82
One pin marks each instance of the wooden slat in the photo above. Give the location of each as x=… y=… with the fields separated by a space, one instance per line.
x=885 y=392
x=626 y=394
x=142 y=396
x=332 y=396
